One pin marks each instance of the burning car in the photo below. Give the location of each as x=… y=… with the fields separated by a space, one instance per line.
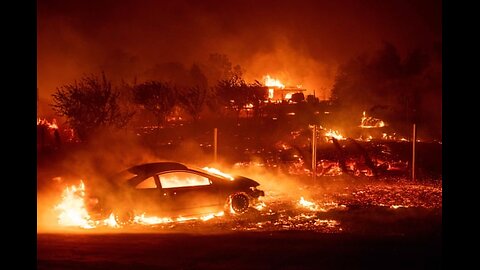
x=169 y=188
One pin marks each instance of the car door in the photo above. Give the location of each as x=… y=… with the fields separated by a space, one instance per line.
x=187 y=190
x=147 y=196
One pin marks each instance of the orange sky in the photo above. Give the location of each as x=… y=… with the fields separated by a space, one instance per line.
x=299 y=42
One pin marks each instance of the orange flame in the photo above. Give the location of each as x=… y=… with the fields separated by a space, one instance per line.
x=370 y=122
x=72 y=208
x=306 y=204
x=271 y=82
x=73 y=213
x=335 y=134
x=52 y=125
x=218 y=172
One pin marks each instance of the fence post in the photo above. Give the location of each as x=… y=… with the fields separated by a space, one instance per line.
x=314 y=153
x=414 y=141
x=215 y=143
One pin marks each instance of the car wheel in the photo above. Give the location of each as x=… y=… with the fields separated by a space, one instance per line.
x=239 y=203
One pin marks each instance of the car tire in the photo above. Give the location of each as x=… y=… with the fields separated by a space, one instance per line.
x=239 y=203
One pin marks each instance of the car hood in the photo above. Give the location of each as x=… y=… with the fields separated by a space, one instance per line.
x=243 y=181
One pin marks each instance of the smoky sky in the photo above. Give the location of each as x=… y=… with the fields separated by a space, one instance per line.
x=299 y=42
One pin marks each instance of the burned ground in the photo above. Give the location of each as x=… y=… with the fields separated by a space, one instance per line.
x=345 y=219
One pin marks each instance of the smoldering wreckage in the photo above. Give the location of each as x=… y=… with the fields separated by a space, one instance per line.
x=172 y=196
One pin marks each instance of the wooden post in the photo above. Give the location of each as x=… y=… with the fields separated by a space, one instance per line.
x=314 y=153
x=414 y=141
x=215 y=144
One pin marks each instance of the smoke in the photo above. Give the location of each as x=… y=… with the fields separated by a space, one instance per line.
x=93 y=162
x=299 y=43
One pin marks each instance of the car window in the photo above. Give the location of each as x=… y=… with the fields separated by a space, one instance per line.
x=182 y=179
x=147 y=184
x=122 y=177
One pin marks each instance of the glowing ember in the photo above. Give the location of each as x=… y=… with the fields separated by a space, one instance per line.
x=398 y=206
x=370 y=122
x=330 y=223
x=153 y=220
x=329 y=168
x=306 y=204
x=143 y=220
x=218 y=172
x=260 y=206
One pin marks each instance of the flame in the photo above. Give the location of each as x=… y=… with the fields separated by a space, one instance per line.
x=73 y=213
x=218 y=172
x=370 y=122
x=72 y=208
x=394 y=206
x=260 y=206
x=335 y=134
x=175 y=181
x=269 y=81
x=270 y=93
x=52 y=125
x=306 y=204
x=111 y=221
x=143 y=220
x=330 y=168
x=153 y=220
x=210 y=216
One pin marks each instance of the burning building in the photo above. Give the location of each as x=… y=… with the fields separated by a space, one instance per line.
x=278 y=92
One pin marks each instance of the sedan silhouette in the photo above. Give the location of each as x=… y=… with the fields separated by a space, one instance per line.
x=170 y=188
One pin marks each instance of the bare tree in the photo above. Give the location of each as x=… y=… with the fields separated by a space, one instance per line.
x=193 y=97
x=89 y=104
x=235 y=94
x=192 y=100
x=157 y=97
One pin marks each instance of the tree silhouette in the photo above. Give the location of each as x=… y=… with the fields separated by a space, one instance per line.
x=382 y=83
x=193 y=97
x=89 y=104
x=192 y=100
x=235 y=94
x=219 y=68
x=156 y=97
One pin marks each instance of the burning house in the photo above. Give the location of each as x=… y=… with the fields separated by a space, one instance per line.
x=278 y=92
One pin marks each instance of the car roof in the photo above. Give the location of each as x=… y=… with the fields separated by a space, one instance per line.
x=156 y=167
